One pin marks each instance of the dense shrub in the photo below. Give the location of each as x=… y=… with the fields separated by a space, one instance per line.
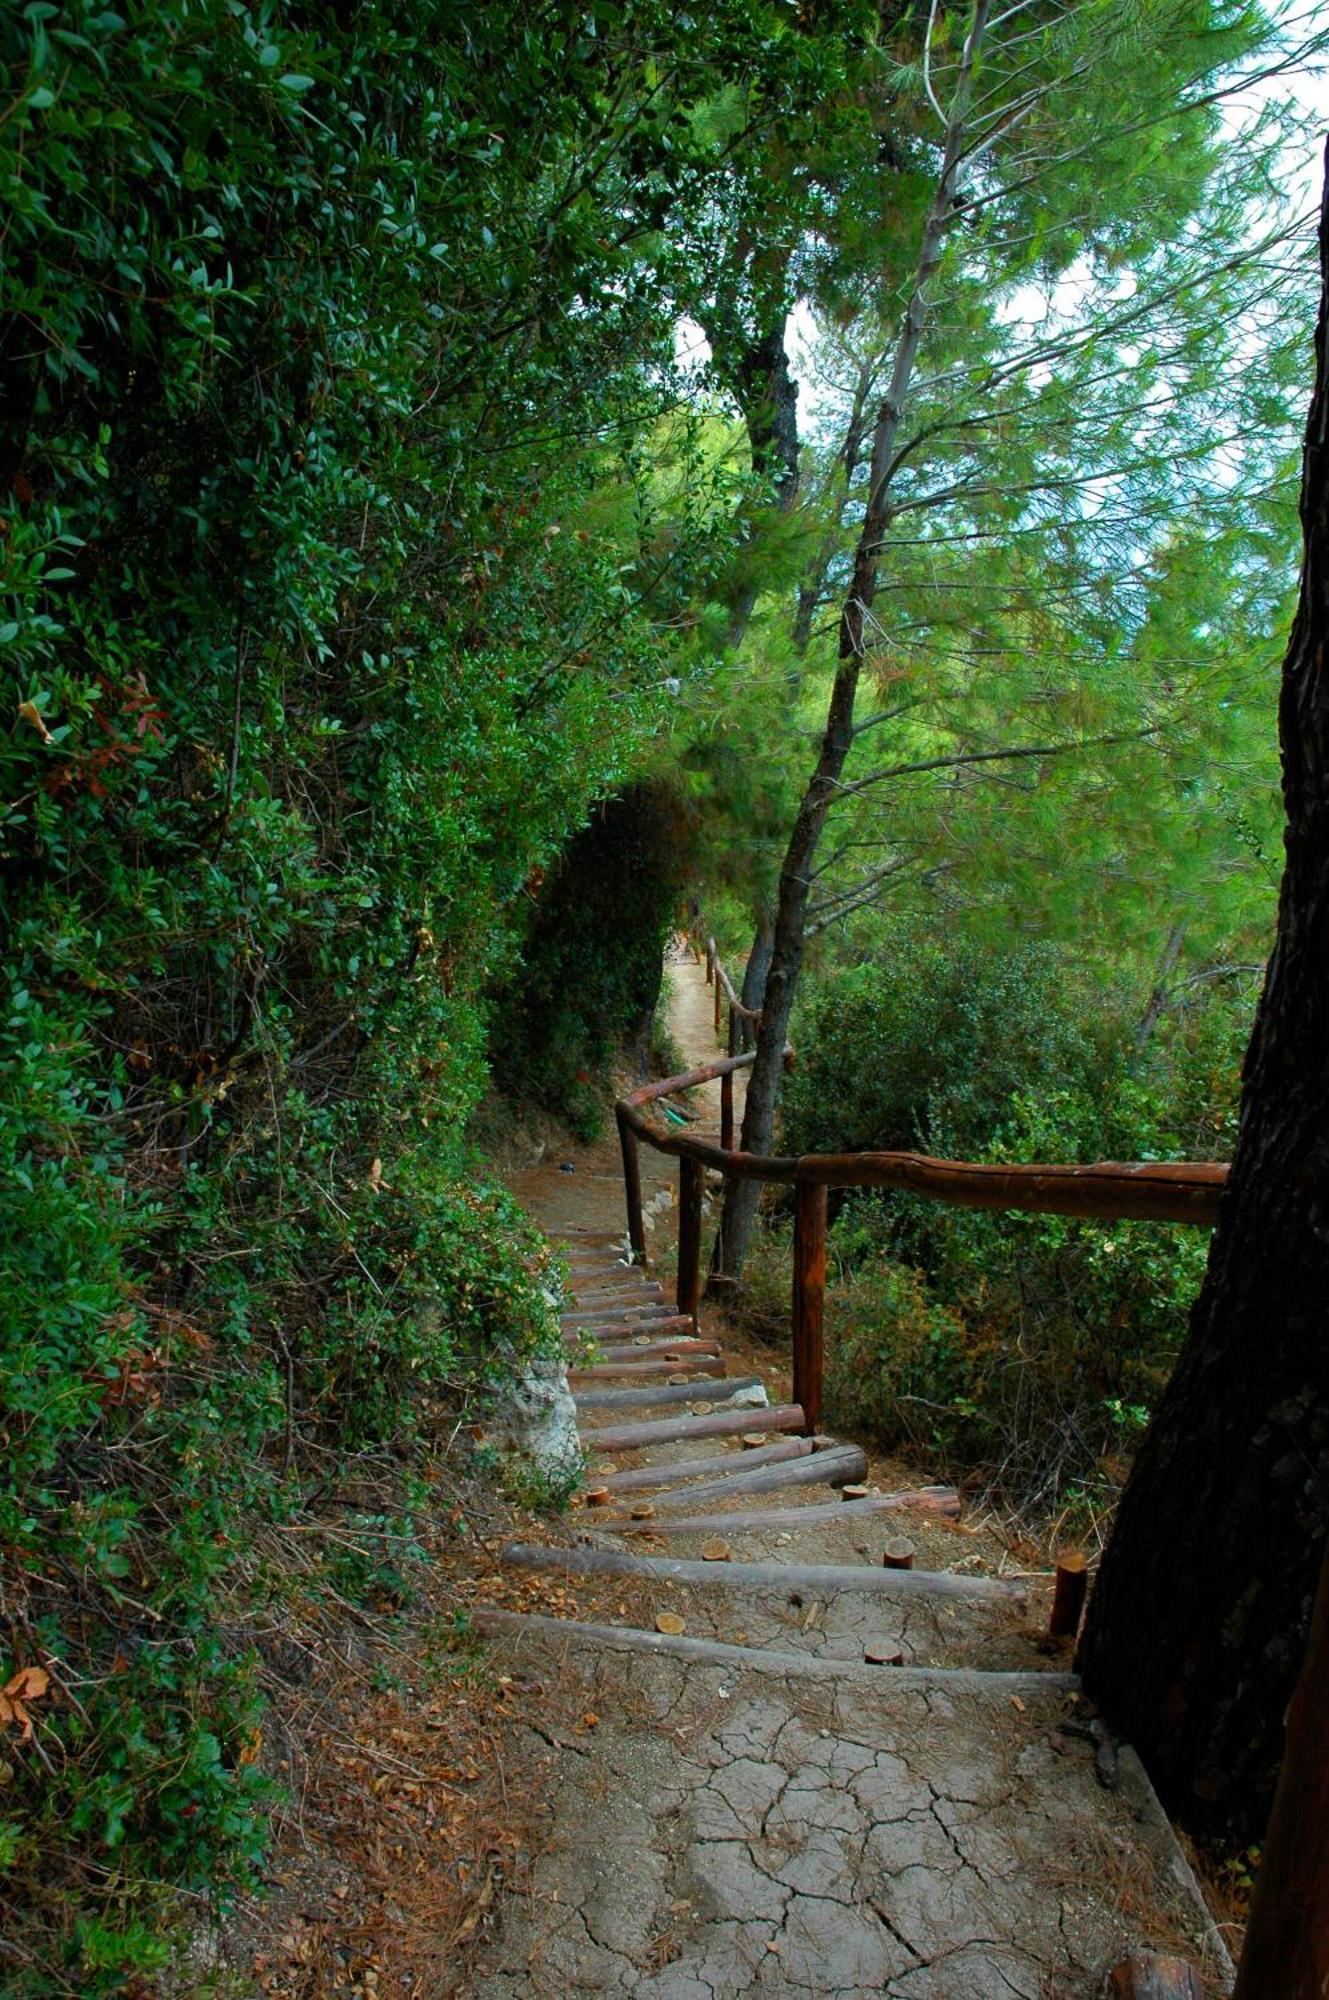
x=935 y=1033
x=1029 y=1346
x=327 y=614
x=588 y=978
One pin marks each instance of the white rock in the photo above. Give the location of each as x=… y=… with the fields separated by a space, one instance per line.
x=754 y=1398
x=534 y=1414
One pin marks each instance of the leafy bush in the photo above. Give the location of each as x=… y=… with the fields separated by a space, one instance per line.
x=934 y=1035
x=589 y=975
x=1031 y=1346
x=320 y=581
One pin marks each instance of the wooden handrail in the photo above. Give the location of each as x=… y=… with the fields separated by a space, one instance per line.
x=1186 y=1191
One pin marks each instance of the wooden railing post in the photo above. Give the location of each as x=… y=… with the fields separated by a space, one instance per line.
x=710 y=960
x=691 y=1184
x=630 y=1149
x=809 y=1299
x=719 y=998
x=727 y=1088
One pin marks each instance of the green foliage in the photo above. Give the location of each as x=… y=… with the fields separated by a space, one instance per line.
x=933 y=1033
x=589 y=976
x=1031 y=1346
x=335 y=591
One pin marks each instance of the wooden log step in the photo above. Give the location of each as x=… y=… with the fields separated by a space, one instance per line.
x=724 y=1423
x=623 y=1301
x=716 y=1462
x=647 y=1350
x=705 y=1366
x=650 y=1309
x=617 y=1288
x=926 y=1500
x=622 y=1331
x=668 y=1392
x=837 y=1467
x=862 y=1579
x=492 y=1623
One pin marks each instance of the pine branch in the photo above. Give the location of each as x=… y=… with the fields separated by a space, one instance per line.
x=993 y=757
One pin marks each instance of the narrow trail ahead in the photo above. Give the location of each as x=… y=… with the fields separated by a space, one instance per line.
x=803 y=1771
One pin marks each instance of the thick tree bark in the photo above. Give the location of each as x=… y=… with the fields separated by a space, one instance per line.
x=1286 y=1955
x=791 y=913
x=1199 y=1620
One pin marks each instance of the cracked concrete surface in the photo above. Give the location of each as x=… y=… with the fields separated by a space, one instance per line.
x=736 y=1836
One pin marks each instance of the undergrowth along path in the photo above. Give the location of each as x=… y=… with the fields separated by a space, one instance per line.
x=802 y=1769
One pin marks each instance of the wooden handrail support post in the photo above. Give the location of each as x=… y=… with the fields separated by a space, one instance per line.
x=691 y=1185
x=630 y=1147
x=727 y=1088
x=809 y=1303
x=719 y=998
x=710 y=961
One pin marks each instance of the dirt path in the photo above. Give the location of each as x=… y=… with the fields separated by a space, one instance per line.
x=796 y=1771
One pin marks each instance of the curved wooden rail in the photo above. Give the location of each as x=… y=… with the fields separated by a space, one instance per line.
x=1185 y=1191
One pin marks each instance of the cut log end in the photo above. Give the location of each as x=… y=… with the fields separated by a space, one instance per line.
x=883 y=1653
x=1151 y=1975
x=1069 y=1594
x=898 y=1554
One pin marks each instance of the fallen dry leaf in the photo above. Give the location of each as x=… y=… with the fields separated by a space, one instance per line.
x=28 y=1684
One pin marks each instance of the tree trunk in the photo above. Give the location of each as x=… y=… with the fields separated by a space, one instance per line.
x=741 y=1196
x=754 y=973
x=1158 y=999
x=1198 y=1623
x=811 y=589
x=1286 y=1955
x=768 y=397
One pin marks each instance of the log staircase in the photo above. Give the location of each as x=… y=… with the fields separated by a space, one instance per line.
x=723 y=1536
x=719 y=1478
x=879 y=1742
